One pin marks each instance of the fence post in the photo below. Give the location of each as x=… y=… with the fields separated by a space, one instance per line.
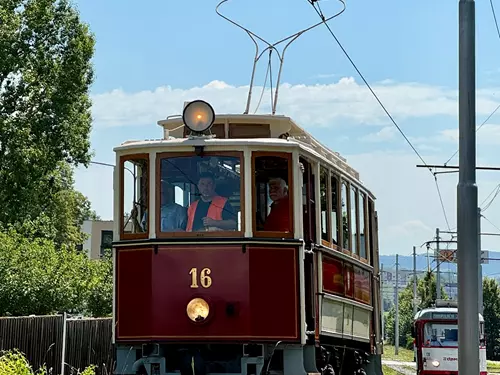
x=63 y=359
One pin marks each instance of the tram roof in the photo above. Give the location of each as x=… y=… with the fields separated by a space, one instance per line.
x=283 y=132
x=445 y=313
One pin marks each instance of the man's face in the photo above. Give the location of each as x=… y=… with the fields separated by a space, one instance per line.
x=206 y=187
x=276 y=191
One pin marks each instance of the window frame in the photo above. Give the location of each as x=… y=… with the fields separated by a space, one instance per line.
x=348 y=210
x=105 y=232
x=364 y=198
x=222 y=234
x=372 y=228
x=123 y=160
x=291 y=196
x=353 y=189
x=338 y=177
x=328 y=241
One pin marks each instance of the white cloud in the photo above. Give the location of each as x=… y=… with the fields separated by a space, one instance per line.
x=407 y=201
x=313 y=105
x=489 y=134
x=383 y=135
x=408 y=204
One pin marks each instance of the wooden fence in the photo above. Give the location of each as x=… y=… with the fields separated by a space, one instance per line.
x=40 y=338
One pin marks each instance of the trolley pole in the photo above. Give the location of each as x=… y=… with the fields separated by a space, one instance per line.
x=467 y=228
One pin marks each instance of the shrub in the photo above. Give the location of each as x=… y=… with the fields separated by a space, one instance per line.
x=13 y=362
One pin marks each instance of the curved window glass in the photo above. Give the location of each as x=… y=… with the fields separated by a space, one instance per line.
x=134 y=197
x=273 y=194
x=199 y=193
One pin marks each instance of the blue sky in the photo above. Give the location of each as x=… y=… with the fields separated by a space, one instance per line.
x=149 y=59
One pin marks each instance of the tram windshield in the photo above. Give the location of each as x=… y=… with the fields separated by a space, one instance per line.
x=200 y=193
x=440 y=334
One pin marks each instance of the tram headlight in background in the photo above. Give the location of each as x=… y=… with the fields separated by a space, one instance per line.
x=198 y=116
x=197 y=310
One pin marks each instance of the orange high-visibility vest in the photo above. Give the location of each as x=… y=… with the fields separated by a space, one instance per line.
x=214 y=211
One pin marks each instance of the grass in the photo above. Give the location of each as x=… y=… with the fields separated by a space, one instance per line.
x=386 y=370
x=493 y=366
x=404 y=355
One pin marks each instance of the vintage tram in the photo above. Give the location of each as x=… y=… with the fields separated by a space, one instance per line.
x=242 y=246
x=435 y=332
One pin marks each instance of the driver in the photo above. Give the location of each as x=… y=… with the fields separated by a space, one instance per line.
x=211 y=212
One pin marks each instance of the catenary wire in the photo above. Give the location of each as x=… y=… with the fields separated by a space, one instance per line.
x=496 y=109
x=479 y=127
x=320 y=14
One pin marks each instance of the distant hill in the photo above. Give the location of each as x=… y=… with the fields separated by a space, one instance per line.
x=406 y=263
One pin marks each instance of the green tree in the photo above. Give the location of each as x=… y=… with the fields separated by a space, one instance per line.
x=61 y=217
x=426 y=294
x=37 y=278
x=491 y=303
x=45 y=110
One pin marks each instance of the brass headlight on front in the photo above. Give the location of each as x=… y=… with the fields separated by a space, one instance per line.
x=197 y=310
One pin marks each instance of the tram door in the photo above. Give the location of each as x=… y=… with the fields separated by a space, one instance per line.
x=309 y=225
x=308 y=206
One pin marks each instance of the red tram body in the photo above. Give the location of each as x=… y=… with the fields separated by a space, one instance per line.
x=251 y=297
x=228 y=291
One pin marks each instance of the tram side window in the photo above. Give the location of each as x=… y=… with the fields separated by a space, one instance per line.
x=362 y=232
x=334 y=214
x=324 y=203
x=273 y=196
x=345 y=217
x=199 y=193
x=135 y=197
x=308 y=199
x=354 y=220
x=371 y=231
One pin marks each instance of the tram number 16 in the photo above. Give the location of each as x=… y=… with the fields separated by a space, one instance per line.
x=205 y=279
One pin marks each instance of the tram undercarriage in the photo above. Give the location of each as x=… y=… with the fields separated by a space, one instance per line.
x=334 y=357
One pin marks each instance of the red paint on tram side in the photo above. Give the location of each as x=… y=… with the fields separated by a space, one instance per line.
x=344 y=279
x=153 y=291
x=133 y=292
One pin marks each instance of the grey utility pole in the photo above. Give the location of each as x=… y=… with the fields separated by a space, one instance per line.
x=396 y=315
x=382 y=293
x=438 y=268
x=414 y=280
x=467 y=228
x=480 y=270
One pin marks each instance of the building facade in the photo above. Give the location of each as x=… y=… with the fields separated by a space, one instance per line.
x=100 y=237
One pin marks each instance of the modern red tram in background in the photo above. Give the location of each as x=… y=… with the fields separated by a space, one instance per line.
x=435 y=331
x=242 y=246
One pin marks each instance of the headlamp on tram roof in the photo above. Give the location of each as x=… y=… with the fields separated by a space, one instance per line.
x=197 y=310
x=198 y=116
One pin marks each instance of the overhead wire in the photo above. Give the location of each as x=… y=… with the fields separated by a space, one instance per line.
x=321 y=15
x=479 y=127
x=498 y=107
x=495 y=17
x=489 y=221
x=496 y=190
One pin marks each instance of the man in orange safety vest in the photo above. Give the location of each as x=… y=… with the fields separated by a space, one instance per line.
x=211 y=212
